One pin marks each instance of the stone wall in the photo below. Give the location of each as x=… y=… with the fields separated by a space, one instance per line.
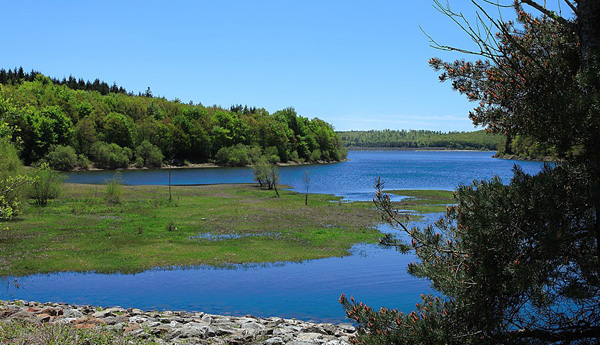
x=178 y=327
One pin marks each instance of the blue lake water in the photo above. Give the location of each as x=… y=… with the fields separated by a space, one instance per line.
x=306 y=290
x=354 y=179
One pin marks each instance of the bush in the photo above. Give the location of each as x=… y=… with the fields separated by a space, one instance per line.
x=139 y=162
x=12 y=177
x=61 y=158
x=46 y=185
x=315 y=155
x=83 y=162
x=110 y=156
x=113 y=190
x=222 y=156
x=238 y=155
x=151 y=155
x=272 y=155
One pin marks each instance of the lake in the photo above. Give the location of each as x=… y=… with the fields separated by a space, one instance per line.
x=305 y=290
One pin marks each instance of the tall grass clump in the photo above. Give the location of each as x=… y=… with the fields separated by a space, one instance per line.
x=113 y=190
x=46 y=185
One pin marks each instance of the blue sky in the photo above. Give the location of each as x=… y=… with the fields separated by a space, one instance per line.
x=356 y=64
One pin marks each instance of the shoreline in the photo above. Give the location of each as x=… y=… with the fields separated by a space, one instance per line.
x=360 y=148
x=198 y=166
x=177 y=327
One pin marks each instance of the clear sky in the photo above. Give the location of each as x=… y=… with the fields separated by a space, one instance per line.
x=356 y=64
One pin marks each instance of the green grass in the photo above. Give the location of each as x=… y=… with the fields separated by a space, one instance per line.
x=80 y=231
x=424 y=201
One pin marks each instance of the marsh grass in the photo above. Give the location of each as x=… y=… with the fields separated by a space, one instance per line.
x=113 y=190
x=423 y=200
x=80 y=231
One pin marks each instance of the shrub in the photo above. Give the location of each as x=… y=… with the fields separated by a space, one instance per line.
x=315 y=155
x=61 y=158
x=83 y=162
x=272 y=155
x=151 y=155
x=139 y=162
x=110 y=156
x=238 y=155
x=113 y=190
x=222 y=156
x=46 y=185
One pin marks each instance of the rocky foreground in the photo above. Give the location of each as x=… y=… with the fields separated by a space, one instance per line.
x=178 y=327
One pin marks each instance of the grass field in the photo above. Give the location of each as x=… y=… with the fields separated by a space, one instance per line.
x=423 y=200
x=214 y=225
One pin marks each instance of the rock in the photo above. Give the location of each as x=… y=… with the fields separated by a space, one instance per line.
x=43 y=318
x=137 y=319
x=49 y=311
x=112 y=320
x=190 y=330
x=6 y=313
x=274 y=341
x=23 y=316
x=72 y=313
x=182 y=327
x=346 y=327
x=309 y=337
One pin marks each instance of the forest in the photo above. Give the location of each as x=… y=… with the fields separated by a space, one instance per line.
x=478 y=140
x=74 y=124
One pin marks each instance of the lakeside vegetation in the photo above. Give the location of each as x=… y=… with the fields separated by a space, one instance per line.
x=85 y=230
x=75 y=124
x=413 y=139
x=88 y=229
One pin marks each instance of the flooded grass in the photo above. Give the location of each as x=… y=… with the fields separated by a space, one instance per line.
x=203 y=225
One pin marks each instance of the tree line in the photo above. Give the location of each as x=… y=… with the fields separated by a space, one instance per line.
x=69 y=128
x=477 y=140
x=18 y=75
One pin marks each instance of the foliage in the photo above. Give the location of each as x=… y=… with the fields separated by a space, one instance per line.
x=507 y=274
x=61 y=158
x=131 y=236
x=48 y=113
x=150 y=155
x=526 y=147
x=238 y=155
x=266 y=173
x=516 y=263
x=113 y=190
x=12 y=177
x=110 y=156
x=532 y=86
x=46 y=185
x=478 y=140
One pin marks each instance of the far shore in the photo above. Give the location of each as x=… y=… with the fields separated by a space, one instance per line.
x=359 y=148
x=202 y=166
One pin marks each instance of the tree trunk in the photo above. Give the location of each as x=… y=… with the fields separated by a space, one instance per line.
x=588 y=26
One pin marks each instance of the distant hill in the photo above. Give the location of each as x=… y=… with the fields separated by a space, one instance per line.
x=387 y=138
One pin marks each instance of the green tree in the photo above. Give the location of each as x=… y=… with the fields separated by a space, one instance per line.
x=12 y=178
x=150 y=154
x=118 y=129
x=46 y=185
x=517 y=263
x=61 y=158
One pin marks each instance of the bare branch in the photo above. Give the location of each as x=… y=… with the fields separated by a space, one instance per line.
x=572 y=6
x=549 y=13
